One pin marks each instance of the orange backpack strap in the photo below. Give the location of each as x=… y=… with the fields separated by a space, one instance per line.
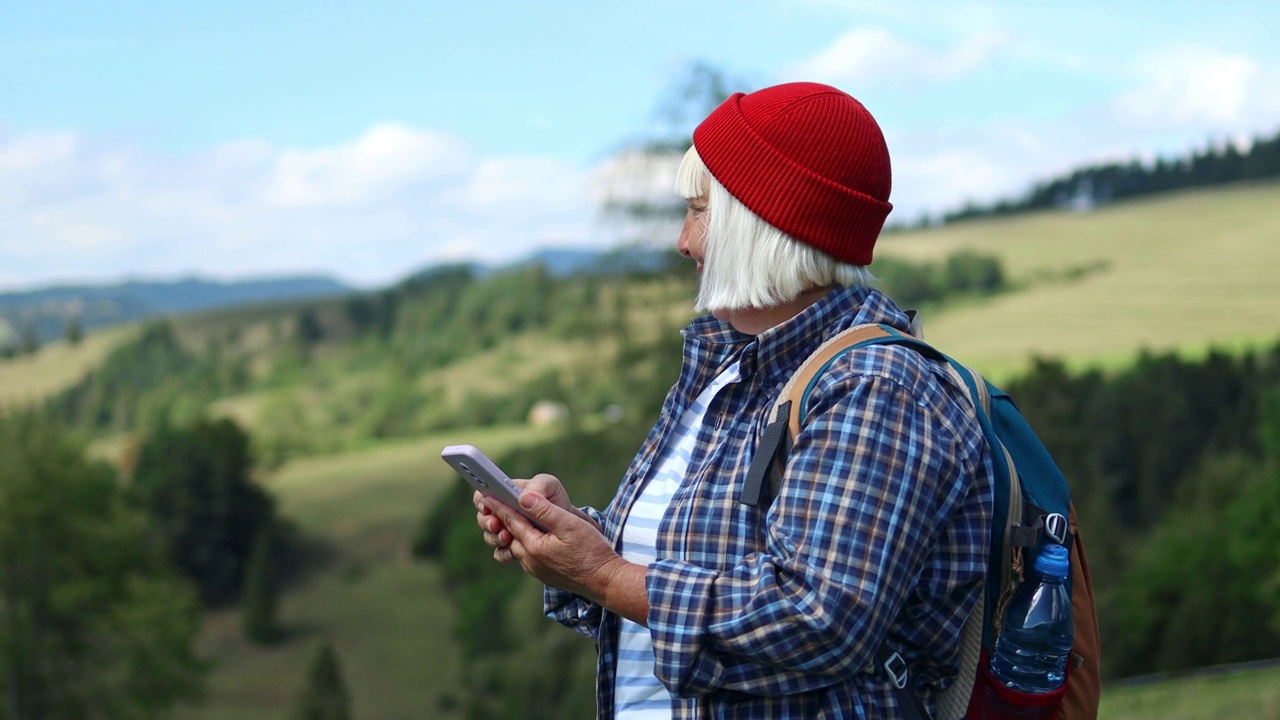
x=1084 y=680
x=793 y=392
x=786 y=414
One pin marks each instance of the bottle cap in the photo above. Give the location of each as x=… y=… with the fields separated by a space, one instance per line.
x=1053 y=562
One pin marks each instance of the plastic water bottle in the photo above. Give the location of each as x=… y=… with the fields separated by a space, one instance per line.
x=1035 y=639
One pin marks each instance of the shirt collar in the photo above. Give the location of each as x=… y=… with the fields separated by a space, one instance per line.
x=776 y=352
x=782 y=348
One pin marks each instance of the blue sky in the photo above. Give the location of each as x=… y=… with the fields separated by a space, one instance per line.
x=148 y=139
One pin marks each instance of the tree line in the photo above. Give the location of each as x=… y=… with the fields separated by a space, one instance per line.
x=428 y=322
x=1103 y=183
x=27 y=341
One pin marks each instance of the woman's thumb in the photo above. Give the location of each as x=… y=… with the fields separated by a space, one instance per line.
x=529 y=499
x=540 y=509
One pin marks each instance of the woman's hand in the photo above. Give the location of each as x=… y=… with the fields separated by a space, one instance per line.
x=573 y=554
x=496 y=534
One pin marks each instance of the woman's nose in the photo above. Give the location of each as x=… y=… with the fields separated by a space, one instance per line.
x=682 y=243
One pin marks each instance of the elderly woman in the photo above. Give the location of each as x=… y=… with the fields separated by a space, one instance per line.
x=705 y=607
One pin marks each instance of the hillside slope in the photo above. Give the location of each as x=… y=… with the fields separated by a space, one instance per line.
x=1184 y=271
x=1179 y=272
x=28 y=378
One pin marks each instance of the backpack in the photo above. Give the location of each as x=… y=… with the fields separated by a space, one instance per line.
x=1032 y=507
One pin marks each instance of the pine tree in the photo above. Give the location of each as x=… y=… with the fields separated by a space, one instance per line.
x=93 y=622
x=30 y=338
x=196 y=483
x=325 y=695
x=261 y=592
x=309 y=331
x=74 y=331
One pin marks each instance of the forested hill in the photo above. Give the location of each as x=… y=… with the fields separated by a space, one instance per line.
x=1101 y=183
x=31 y=318
x=43 y=314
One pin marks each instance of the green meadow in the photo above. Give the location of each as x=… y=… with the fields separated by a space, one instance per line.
x=28 y=378
x=386 y=615
x=1253 y=694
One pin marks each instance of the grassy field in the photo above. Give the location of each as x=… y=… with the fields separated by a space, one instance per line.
x=387 y=616
x=1253 y=694
x=1184 y=271
x=55 y=366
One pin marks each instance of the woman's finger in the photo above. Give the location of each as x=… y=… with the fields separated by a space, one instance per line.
x=497 y=540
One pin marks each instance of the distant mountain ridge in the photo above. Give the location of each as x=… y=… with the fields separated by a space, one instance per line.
x=47 y=311
x=570 y=261
x=565 y=261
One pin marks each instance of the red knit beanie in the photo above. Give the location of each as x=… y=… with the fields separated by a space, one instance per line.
x=808 y=159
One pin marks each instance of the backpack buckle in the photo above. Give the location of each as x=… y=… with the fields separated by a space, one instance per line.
x=1057 y=528
x=896 y=668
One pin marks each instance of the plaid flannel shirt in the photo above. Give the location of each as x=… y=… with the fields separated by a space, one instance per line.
x=880 y=529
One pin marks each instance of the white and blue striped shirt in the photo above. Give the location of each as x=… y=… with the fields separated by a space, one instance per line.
x=638 y=695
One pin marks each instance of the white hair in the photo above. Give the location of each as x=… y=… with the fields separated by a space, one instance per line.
x=750 y=263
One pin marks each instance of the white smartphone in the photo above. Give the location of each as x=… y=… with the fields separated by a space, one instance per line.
x=484 y=475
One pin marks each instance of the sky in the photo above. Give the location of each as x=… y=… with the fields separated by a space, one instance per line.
x=157 y=140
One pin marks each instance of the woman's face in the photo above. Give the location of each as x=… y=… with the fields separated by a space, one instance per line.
x=693 y=239
x=693 y=236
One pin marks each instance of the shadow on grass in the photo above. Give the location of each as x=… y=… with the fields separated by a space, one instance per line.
x=304 y=557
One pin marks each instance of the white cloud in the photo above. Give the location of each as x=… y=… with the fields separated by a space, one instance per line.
x=945 y=179
x=503 y=182
x=385 y=158
x=1172 y=102
x=867 y=56
x=936 y=171
x=36 y=151
x=637 y=176
x=76 y=207
x=1200 y=88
